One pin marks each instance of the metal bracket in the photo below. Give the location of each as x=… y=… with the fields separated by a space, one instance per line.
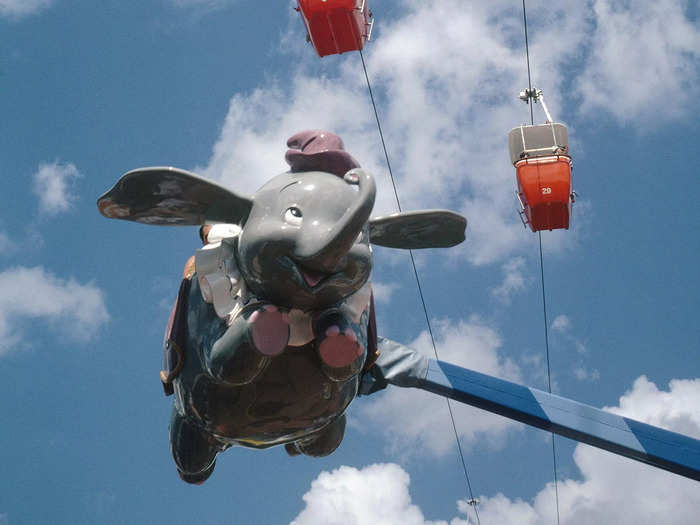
x=521 y=211
x=371 y=24
x=369 y=33
x=523 y=219
x=535 y=95
x=530 y=93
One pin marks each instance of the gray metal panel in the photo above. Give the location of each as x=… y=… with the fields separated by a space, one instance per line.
x=396 y=365
x=539 y=137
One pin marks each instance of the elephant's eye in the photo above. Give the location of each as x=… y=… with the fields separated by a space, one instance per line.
x=293 y=216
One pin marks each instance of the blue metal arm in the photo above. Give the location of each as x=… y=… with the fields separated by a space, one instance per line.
x=652 y=445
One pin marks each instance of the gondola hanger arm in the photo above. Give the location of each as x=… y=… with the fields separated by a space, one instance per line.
x=536 y=95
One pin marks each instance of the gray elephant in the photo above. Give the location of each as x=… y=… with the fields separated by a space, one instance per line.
x=267 y=342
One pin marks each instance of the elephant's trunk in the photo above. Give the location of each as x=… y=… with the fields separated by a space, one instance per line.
x=325 y=253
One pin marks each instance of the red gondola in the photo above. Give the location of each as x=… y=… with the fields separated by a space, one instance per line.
x=544 y=187
x=336 y=26
x=541 y=158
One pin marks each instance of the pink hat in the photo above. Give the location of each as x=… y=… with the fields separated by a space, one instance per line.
x=317 y=150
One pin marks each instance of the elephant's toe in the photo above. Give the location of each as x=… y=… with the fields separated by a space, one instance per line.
x=269 y=330
x=339 y=349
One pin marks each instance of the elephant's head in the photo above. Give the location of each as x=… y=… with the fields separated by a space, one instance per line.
x=305 y=243
x=306 y=234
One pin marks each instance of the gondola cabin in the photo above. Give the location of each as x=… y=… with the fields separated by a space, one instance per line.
x=336 y=26
x=542 y=163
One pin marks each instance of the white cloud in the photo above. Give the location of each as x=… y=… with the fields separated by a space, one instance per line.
x=447 y=103
x=561 y=323
x=376 y=495
x=615 y=489
x=21 y=8
x=675 y=409
x=75 y=310
x=612 y=489
x=251 y=146
x=644 y=61
x=513 y=280
x=53 y=185
x=383 y=291
x=6 y=244
x=445 y=115
x=562 y=334
x=582 y=373
x=415 y=420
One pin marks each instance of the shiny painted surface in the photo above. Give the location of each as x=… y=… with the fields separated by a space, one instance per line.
x=404 y=367
x=290 y=398
x=336 y=26
x=303 y=249
x=415 y=230
x=544 y=185
x=318 y=150
x=623 y=436
x=308 y=257
x=167 y=196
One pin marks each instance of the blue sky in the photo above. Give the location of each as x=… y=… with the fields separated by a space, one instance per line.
x=91 y=90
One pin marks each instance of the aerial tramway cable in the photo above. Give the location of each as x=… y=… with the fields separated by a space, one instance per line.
x=420 y=292
x=544 y=297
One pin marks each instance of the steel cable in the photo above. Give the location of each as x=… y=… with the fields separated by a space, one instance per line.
x=531 y=102
x=420 y=288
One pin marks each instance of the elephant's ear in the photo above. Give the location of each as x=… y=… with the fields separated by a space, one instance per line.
x=418 y=229
x=169 y=196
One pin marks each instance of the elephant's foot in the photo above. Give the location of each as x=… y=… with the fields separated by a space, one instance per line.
x=194 y=450
x=269 y=330
x=320 y=444
x=339 y=349
x=198 y=478
x=338 y=346
x=291 y=449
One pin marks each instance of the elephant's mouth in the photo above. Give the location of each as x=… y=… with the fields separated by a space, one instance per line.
x=312 y=278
